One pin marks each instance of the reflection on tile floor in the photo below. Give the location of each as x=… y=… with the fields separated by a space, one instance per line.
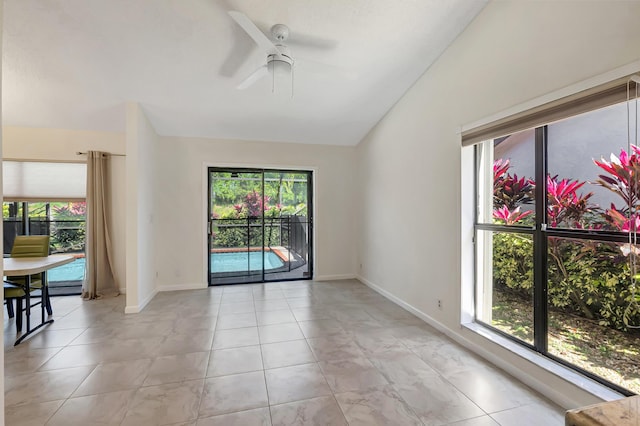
x=295 y=353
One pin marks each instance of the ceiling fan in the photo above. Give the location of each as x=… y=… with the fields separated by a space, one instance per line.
x=278 y=54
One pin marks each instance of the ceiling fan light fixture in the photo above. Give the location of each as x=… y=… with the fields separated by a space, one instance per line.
x=281 y=68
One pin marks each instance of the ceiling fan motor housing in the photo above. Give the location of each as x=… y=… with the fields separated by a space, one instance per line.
x=280 y=32
x=283 y=57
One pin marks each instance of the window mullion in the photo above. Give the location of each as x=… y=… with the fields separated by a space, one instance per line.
x=540 y=325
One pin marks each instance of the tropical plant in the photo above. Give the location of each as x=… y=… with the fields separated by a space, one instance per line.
x=68 y=228
x=510 y=217
x=565 y=206
x=509 y=190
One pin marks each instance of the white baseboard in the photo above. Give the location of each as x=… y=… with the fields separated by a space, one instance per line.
x=176 y=287
x=334 y=277
x=424 y=317
x=135 y=309
x=131 y=309
x=558 y=397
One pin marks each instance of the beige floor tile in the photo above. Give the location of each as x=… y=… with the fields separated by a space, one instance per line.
x=115 y=376
x=378 y=340
x=228 y=394
x=279 y=333
x=96 y=353
x=320 y=328
x=295 y=383
x=104 y=409
x=309 y=313
x=284 y=354
x=447 y=357
x=255 y=417
x=540 y=413
x=177 y=368
x=268 y=293
x=52 y=338
x=402 y=368
x=164 y=404
x=491 y=389
x=224 y=339
x=384 y=364
x=435 y=401
x=235 y=360
x=416 y=335
x=237 y=308
x=352 y=374
x=35 y=414
x=275 y=317
x=236 y=298
x=43 y=386
x=271 y=305
x=22 y=359
x=300 y=302
x=229 y=321
x=334 y=347
x=381 y=407
x=180 y=343
x=310 y=412
x=478 y=421
x=188 y=325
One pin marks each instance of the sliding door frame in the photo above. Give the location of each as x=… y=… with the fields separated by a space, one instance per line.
x=242 y=167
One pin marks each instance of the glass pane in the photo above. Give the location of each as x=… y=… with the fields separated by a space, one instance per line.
x=68 y=226
x=287 y=225
x=506 y=180
x=236 y=239
x=589 y=164
x=505 y=282
x=590 y=294
x=11 y=223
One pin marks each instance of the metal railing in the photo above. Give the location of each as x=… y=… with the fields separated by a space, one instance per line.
x=288 y=232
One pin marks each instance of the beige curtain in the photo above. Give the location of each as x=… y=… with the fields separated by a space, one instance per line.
x=99 y=277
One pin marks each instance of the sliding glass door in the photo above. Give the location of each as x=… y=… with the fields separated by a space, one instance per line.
x=259 y=225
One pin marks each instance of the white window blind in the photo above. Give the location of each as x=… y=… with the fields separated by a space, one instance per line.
x=42 y=181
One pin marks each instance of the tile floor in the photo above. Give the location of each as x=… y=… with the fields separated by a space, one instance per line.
x=296 y=353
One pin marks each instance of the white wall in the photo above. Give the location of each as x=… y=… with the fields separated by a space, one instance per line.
x=1 y=231
x=409 y=166
x=181 y=202
x=61 y=145
x=141 y=141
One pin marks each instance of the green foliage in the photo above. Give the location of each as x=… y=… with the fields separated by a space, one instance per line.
x=68 y=227
x=238 y=207
x=587 y=278
x=513 y=262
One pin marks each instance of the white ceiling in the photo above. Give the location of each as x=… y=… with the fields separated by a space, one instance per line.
x=73 y=63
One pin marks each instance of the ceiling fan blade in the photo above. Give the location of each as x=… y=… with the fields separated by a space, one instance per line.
x=254 y=32
x=253 y=77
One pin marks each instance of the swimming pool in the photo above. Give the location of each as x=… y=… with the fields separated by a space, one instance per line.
x=237 y=261
x=220 y=262
x=73 y=271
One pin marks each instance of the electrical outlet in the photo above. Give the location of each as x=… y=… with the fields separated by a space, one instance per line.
x=439 y=304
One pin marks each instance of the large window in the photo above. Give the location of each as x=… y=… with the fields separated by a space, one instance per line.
x=65 y=223
x=556 y=252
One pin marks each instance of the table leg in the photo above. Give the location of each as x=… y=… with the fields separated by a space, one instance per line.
x=44 y=294
x=27 y=308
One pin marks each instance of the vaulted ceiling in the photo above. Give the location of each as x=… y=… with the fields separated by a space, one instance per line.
x=74 y=63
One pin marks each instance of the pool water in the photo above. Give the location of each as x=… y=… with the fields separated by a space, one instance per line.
x=237 y=261
x=73 y=271
x=220 y=262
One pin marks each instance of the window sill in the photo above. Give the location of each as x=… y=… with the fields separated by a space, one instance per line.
x=591 y=386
